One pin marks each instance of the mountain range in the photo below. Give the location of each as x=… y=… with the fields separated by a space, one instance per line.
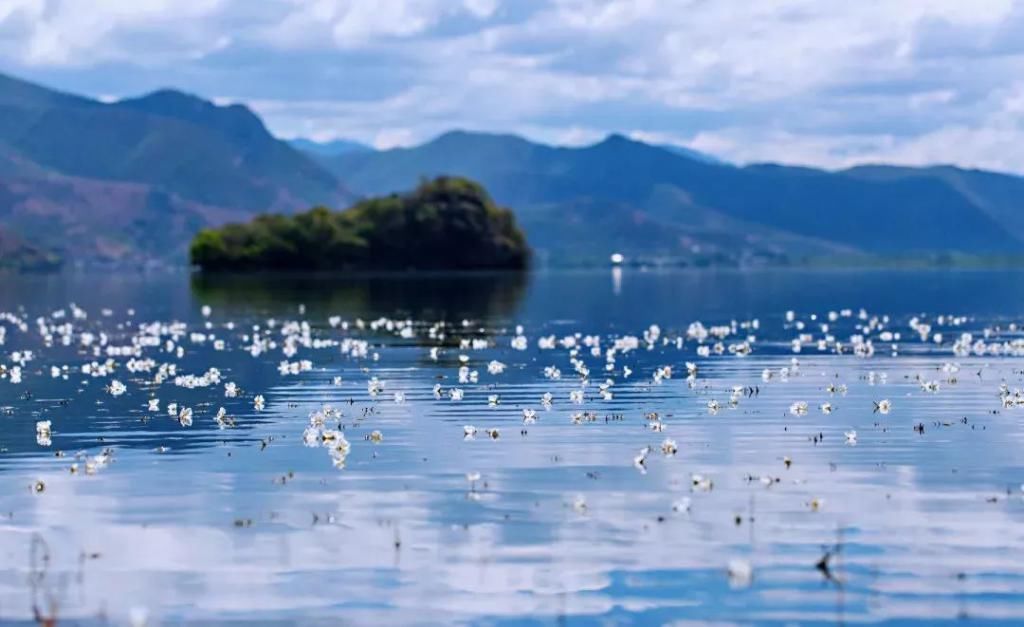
x=578 y=204
x=131 y=182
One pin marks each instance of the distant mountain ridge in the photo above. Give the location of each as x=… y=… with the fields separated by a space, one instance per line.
x=330 y=148
x=177 y=161
x=132 y=181
x=648 y=202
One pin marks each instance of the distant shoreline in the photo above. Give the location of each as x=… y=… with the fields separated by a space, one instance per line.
x=817 y=263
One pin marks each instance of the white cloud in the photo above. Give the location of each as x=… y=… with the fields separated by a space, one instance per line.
x=69 y=32
x=794 y=80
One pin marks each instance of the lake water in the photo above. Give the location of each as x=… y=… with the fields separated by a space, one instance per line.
x=757 y=512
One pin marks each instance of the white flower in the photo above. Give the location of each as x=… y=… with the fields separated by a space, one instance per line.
x=376 y=437
x=495 y=367
x=43 y=433
x=456 y=394
x=826 y=408
x=883 y=406
x=493 y=400
x=117 y=388
x=851 y=437
x=529 y=416
x=640 y=461
x=469 y=431
x=798 y=408
x=185 y=417
x=576 y=396
x=230 y=390
x=713 y=406
x=682 y=505
x=154 y=404
x=223 y=420
x=311 y=436
x=741 y=573
x=668 y=447
x=399 y=397
x=259 y=402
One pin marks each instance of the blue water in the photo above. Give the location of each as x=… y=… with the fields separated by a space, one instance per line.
x=920 y=517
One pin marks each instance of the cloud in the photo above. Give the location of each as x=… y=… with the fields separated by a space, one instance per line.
x=791 y=80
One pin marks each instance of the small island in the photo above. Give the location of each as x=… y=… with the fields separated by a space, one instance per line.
x=448 y=223
x=17 y=255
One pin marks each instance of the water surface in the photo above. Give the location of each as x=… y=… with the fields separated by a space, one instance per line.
x=764 y=514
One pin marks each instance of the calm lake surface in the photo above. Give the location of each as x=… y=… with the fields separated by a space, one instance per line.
x=637 y=494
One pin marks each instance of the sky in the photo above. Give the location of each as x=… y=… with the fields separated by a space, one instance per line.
x=817 y=82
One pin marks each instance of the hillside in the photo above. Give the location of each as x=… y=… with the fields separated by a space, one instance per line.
x=649 y=202
x=130 y=182
x=166 y=160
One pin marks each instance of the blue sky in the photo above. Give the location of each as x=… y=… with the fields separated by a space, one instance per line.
x=827 y=83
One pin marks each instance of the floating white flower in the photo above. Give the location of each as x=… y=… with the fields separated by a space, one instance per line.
x=469 y=431
x=311 y=436
x=668 y=447
x=154 y=404
x=374 y=386
x=43 y=432
x=640 y=461
x=883 y=406
x=223 y=420
x=185 y=417
x=741 y=573
x=117 y=388
x=701 y=482
x=798 y=408
x=826 y=408
x=259 y=402
x=682 y=505
x=851 y=437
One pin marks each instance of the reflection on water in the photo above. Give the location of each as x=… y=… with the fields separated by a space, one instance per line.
x=482 y=296
x=767 y=513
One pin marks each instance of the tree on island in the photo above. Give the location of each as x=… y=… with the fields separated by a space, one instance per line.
x=449 y=223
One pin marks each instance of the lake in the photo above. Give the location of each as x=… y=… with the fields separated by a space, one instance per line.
x=765 y=447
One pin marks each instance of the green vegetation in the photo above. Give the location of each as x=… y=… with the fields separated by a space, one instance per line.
x=446 y=224
x=18 y=256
